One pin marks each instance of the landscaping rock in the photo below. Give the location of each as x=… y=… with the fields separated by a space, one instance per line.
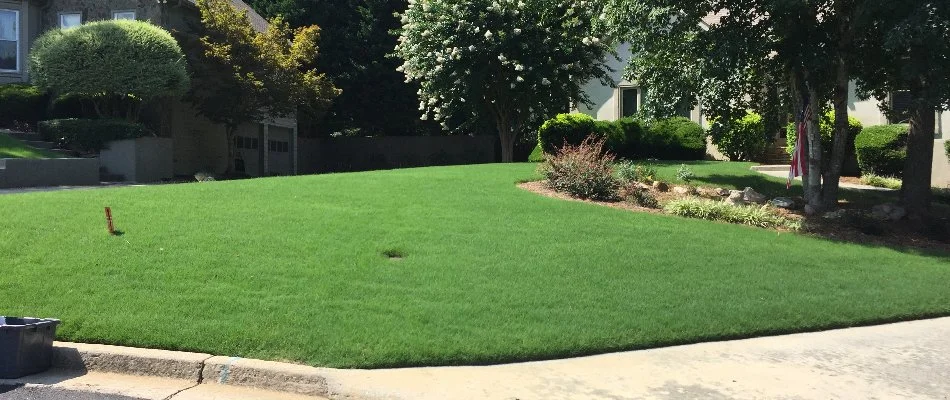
x=751 y=196
x=661 y=186
x=735 y=198
x=783 y=202
x=888 y=212
x=831 y=215
x=680 y=190
x=722 y=192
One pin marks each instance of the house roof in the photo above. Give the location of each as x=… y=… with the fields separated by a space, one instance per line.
x=714 y=18
x=257 y=21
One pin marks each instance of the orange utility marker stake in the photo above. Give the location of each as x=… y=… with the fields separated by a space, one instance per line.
x=109 y=220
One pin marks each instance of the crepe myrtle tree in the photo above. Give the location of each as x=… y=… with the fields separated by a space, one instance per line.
x=504 y=62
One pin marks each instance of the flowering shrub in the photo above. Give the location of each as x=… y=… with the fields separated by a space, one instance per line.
x=506 y=62
x=583 y=171
x=628 y=171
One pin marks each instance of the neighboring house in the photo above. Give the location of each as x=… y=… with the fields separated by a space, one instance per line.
x=263 y=148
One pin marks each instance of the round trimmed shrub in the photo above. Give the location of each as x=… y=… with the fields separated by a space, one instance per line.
x=537 y=155
x=90 y=135
x=565 y=129
x=741 y=140
x=676 y=138
x=113 y=58
x=882 y=149
x=22 y=103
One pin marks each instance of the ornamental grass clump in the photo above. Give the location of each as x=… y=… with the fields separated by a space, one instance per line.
x=881 y=181
x=760 y=216
x=584 y=171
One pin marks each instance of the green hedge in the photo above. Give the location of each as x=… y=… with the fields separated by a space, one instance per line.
x=90 y=134
x=537 y=155
x=946 y=147
x=741 y=140
x=670 y=139
x=22 y=103
x=826 y=125
x=882 y=149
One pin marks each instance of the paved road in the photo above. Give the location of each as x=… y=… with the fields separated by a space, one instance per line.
x=909 y=360
x=20 y=392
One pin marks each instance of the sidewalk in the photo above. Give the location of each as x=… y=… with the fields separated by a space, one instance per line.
x=909 y=360
x=781 y=171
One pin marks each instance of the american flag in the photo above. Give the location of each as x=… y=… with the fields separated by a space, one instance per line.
x=798 y=155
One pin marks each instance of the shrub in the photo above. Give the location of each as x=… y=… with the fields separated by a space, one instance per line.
x=537 y=155
x=881 y=181
x=584 y=171
x=89 y=134
x=628 y=171
x=117 y=61
x=762 y=217
x=741 y=140
x=670 y=139
x=634 y=193
x=676 y=138
x=685 y=174
x=946 y=147
x=71 y=106
x=882 y=149
x=22 y=103
x=826 y=125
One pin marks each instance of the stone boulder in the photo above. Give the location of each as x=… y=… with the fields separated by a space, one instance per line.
x=735 y=198
x=721 y=192
x=751 y=196
x=783 y=202
x=888 y=212
x=661 y=186
x=681 y=190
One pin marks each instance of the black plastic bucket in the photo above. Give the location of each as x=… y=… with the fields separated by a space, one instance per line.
x=26 y=345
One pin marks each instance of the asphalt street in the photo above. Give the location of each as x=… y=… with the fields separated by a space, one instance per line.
x=20 y=392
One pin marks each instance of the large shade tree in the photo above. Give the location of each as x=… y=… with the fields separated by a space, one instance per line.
x=356 y=42
x=736 y=54
x=905 y=46
x=502 y=61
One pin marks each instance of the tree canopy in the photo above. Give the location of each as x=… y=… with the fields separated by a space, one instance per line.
x=506 y=62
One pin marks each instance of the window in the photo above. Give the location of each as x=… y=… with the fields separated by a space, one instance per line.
x=9 y=40
x=242 y=142
x=900 y=107
x=123 y=15
x=278 y=146
x=628 y=102
x=69 y=20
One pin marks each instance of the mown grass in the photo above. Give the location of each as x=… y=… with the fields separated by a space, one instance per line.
x=296 y=268
x=13 y=148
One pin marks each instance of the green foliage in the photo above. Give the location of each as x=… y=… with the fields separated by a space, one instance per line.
x=120 y=62
x=501 y=63
x=629 y=171
x=743 y=139
x=583 y=171
x=946 y=148
x=882 y=149
x=675 y=138
x=356 y=41
x=671 y=139
x=763 y=217
x=537 y=155
x=243 y=75
x=685 y=174
x=22 y=103
x=881 y=181
x=90 y=135
x=826 y=125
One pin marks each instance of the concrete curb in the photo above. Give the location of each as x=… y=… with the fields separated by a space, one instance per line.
x=196 y=367
x=770 y=168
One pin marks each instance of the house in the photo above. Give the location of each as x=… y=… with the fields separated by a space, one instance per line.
x=262 y=148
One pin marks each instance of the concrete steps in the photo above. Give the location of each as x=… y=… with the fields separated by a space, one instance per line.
x=776 y=155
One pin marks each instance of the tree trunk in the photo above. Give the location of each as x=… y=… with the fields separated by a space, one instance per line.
x=229 y=132
x=812 y=178
x=915 y=191
x=839 y=149
x=507 y=135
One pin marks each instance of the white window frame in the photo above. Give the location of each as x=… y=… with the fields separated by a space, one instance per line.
x=116 y=13
x=16 y=39
x=69 y=13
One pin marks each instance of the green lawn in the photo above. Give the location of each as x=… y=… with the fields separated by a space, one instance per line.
x=291 y=269
x=13 y=148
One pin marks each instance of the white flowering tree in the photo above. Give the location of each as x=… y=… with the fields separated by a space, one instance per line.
x=506 y=62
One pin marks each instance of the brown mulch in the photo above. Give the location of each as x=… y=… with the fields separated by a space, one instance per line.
x=901 y=235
